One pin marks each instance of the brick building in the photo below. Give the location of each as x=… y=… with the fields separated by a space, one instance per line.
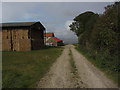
x=23 y=36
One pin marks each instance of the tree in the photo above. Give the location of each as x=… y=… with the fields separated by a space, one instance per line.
x=82 y=26
x=99 y=37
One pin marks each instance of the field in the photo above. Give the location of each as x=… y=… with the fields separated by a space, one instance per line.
x=25 y=68
x=0 y=69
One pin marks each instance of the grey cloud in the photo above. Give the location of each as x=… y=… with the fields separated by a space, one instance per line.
x=52 y=15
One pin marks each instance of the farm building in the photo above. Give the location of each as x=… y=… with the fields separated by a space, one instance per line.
x=23 y=36
x=51 y=40
x=48 y=35
x=51 y=34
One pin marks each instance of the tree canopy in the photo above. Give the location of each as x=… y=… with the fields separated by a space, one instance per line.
x=98 y=35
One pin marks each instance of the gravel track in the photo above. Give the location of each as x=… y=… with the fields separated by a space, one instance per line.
x=88 y=76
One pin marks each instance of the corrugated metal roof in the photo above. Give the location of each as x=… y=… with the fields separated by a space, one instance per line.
x=16 y=24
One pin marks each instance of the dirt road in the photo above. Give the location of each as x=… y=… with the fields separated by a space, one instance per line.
x=87 y=75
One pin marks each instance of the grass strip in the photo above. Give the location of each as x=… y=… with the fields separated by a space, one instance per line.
x=72 y=62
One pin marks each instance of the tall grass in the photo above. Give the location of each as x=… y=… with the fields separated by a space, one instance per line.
x=108 y=64
x=25 y=69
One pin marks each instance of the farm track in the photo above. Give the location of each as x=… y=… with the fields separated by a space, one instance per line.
x=87 y=75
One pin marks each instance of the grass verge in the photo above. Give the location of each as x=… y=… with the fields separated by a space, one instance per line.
x=106 y=66
x=24 y=69
x=72 y=62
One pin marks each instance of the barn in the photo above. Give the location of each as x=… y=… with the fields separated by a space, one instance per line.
x=22 y=36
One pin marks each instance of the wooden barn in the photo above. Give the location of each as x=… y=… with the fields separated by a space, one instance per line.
x=22 y=36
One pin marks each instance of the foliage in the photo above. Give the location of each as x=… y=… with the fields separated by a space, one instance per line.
x=110 y=67
x=83 y=22
x=98 y=36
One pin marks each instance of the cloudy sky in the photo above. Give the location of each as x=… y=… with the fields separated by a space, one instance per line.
x=55 y=16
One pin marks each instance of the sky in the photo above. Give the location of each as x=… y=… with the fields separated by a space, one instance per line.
x=55 y=16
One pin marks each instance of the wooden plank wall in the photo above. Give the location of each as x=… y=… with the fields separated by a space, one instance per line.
x=15 y=40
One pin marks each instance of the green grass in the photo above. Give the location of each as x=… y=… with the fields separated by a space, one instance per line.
x=0 y=69
x=73 y=66
x=99 y=60
x=24 y=69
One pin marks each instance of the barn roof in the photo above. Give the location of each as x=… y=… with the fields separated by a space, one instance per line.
x=19 y=24
x=51 y=34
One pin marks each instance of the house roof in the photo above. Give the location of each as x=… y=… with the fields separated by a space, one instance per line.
x=19 y=24
x=54 y=38
x=49 y=34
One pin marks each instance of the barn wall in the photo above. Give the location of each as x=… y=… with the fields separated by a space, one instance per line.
x=26 y=46
x=6 y=42
x=37 y=44
x=16 y=40
x=21 y=42
x=37 y=38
